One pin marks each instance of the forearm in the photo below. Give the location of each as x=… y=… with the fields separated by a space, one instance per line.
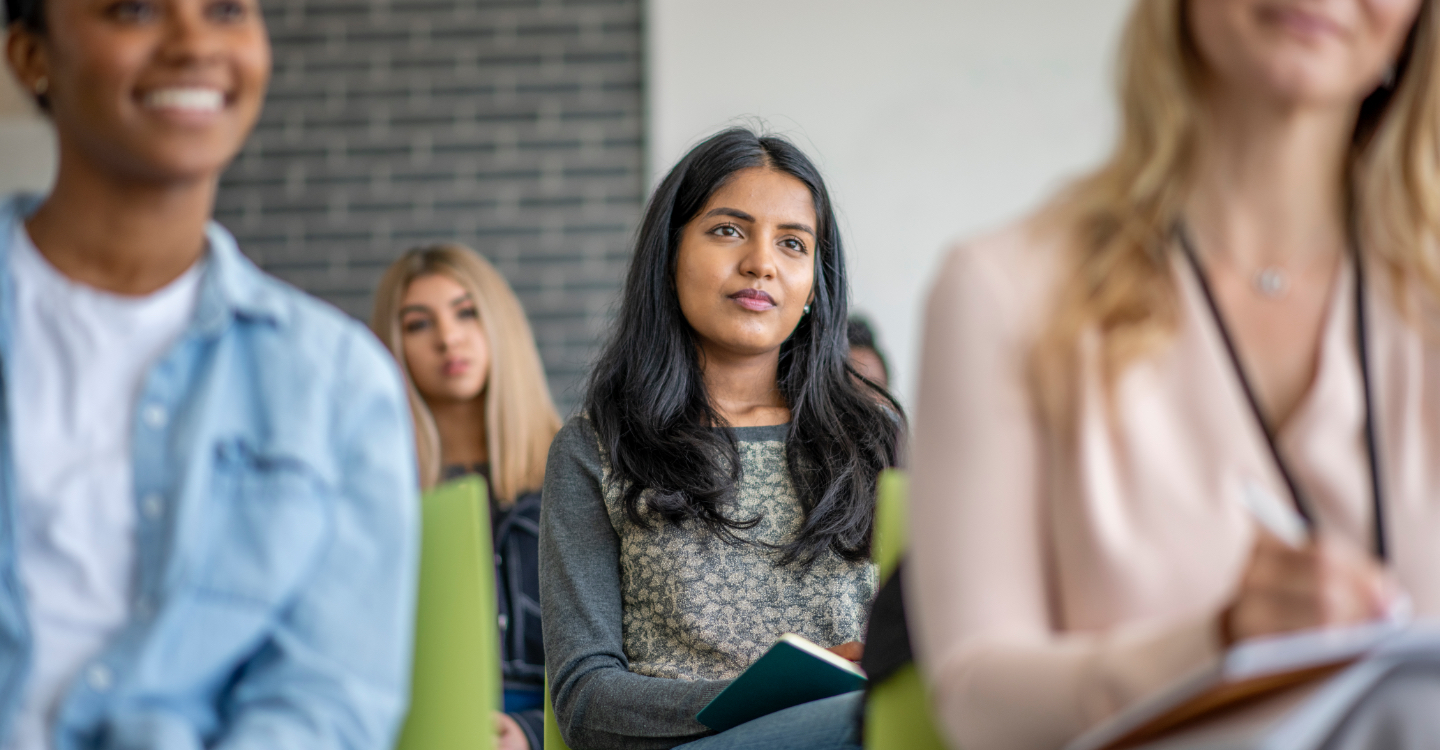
x=997 y=692
x=612 y=708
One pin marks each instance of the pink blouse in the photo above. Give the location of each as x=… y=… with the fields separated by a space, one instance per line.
x=1052 y=586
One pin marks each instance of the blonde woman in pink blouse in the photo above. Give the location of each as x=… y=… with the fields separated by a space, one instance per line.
x=1244 y=302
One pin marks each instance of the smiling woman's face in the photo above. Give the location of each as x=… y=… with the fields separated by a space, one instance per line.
x=163 y=90
x=745 y=269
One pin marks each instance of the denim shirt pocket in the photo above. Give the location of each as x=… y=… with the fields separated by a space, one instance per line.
x=269 y=523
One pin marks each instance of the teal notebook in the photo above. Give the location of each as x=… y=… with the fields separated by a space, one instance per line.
x=792 y=672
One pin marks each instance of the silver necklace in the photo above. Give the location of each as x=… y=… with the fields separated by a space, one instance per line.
x=1271 y=281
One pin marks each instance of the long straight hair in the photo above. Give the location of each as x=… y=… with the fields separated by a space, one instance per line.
x=648 y=402
x=520 y=418
x=1120 y=217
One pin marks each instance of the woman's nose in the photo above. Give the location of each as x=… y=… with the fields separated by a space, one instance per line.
x=448 y=334
x=759 y=260
x=189 y=39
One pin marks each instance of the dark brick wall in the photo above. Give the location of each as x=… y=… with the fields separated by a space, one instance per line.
x=512 y=126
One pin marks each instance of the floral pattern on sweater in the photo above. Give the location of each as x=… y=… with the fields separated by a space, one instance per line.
x=698 y=607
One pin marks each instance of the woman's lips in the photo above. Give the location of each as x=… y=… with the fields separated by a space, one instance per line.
x=754 y=299
x=454 y=367
x=1302 y=23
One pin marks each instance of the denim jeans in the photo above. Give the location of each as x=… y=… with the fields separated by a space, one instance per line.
x=827 y=724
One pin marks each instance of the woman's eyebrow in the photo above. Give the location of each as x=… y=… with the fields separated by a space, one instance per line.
x=415 y=309
x=462 y=299
x=741 y=215
x=734 y=212
x=799 y=228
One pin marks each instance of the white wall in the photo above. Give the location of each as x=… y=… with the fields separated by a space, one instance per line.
x=27 y=143
x=932 y=119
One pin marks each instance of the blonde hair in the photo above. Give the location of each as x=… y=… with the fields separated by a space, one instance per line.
x=1118 y=220
x=520 y=418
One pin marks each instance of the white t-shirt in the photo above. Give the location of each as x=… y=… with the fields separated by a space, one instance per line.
x=78 y=361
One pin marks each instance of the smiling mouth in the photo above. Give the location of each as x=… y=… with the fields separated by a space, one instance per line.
x=199 y=100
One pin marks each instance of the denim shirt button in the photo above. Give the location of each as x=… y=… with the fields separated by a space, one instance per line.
x=153 y=506
x=99 y=678
x=154 y=416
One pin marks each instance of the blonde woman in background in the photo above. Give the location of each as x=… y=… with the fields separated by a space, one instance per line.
x=1239 y=307
x=480 y=403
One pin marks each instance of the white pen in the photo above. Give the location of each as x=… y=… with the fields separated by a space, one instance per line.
x=1285 y=523
x=1275 y=515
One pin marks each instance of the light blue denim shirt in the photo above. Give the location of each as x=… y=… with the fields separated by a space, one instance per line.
x=277 y=544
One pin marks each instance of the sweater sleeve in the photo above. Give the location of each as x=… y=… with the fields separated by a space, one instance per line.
x=599 y=703
x=1002 y=674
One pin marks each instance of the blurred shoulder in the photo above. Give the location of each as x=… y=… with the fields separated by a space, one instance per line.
x=1019 y=262
x=326 y=339
x=577 y=442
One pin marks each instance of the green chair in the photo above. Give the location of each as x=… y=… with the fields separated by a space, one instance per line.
x=553 y=739
x=897 y=711
x=455 y=688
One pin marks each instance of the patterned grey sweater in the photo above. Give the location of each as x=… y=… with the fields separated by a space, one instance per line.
x=644 y=627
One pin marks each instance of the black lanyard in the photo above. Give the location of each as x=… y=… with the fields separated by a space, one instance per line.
x=1302 y=505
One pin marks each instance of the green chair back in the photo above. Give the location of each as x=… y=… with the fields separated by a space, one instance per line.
x=553 y=739
x=892 y=507
x=455 y=688
x=897 y=711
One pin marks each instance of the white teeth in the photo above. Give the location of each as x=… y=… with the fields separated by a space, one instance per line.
x=190 y=100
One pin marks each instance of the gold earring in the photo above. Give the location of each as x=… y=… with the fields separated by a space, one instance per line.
x=42 y=86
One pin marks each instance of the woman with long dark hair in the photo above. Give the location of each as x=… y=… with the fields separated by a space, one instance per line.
x=718 y=490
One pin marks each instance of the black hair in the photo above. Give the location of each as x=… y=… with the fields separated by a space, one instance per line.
x=861 y=335
x=647 y=399
x=28 y=13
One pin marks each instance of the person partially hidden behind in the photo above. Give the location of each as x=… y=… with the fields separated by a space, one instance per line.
x=481 y=406
x=1238 y=310
x=718 y=490
x=210 y=521
x=865 y=355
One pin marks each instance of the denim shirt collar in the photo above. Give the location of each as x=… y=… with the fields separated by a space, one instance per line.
x=232 y=288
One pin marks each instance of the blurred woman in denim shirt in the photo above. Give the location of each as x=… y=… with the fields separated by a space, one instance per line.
x=478 y=395
x=207 y=515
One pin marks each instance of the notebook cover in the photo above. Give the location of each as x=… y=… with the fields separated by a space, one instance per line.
x=1254 y=670
x=792 y=672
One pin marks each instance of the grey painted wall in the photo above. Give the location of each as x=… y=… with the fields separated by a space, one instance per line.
x=27 y=142
x=512 y=126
